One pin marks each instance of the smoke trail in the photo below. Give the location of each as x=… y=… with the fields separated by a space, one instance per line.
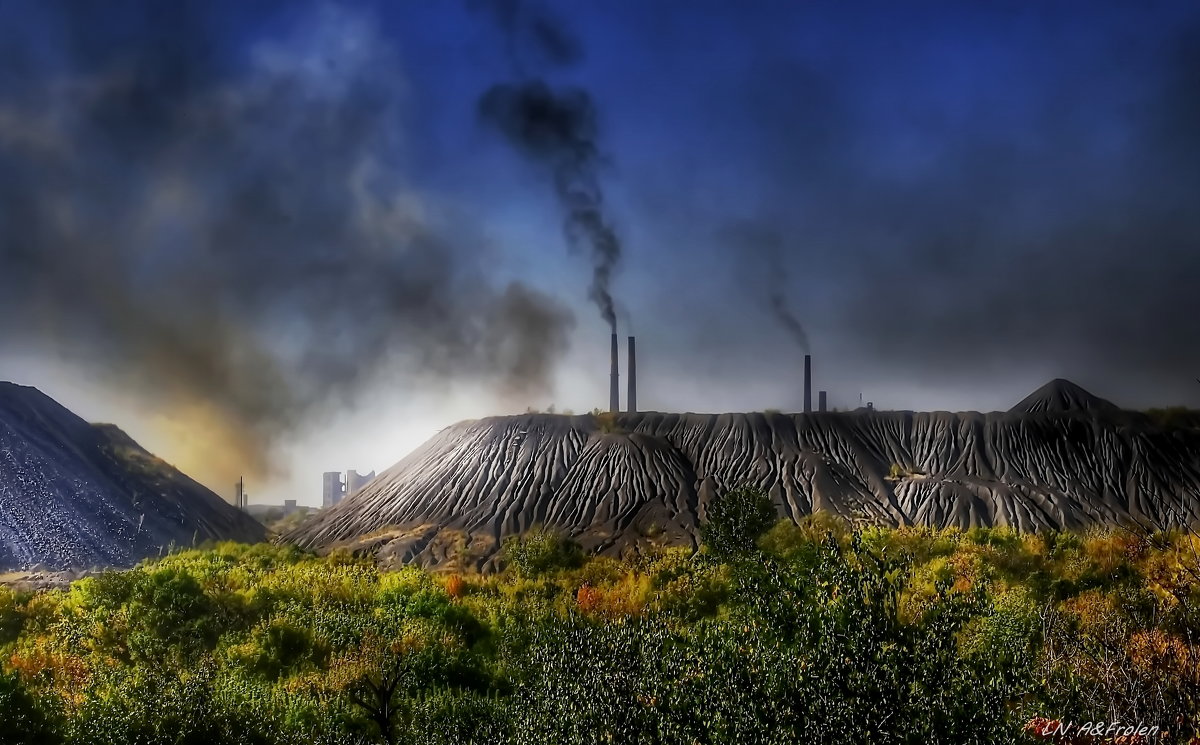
x=534 y=38
x=767 y=275
x=788 y=320
x=238 y=243
x=556 y=129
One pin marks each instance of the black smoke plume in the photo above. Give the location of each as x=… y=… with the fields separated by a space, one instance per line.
x=557 y=129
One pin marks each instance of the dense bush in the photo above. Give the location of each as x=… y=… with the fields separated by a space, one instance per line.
x=735 y=520
x=791 y=633
x=539 y=551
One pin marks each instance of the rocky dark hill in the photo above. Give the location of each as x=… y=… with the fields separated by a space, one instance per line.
x=74 y=494
x=1062 y=395
x=1070 y=461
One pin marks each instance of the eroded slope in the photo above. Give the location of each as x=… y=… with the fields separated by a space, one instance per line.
x=647 y=477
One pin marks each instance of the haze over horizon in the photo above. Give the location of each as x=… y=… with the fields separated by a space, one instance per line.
x=303 y=236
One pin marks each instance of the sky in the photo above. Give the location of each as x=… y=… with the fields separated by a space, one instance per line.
x=273 y=239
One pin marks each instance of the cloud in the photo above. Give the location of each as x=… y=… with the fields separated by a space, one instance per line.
x=238 y=237
x=1029 y=213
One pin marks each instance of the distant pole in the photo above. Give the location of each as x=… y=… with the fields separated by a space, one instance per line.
x=631 y=396
x=807 y=383
x=614 y=391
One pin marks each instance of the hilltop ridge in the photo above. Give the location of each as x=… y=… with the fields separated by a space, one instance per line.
x=1061 y=395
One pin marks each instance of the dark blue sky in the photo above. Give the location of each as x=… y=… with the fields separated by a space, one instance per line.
x=292 y=208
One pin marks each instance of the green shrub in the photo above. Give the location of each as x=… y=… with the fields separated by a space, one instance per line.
x=541 y=551
x=12 y=618
x=733 y=522
x=282 y=646
x=587 y=683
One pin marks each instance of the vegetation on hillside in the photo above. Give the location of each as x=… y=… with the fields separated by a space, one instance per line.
x=279 y=520
x=1174 y=417
x=774 y=633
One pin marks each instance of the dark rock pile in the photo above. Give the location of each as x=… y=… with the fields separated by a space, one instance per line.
x=77 y=495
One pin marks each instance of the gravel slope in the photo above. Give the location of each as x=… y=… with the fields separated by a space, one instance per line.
x=76 y=495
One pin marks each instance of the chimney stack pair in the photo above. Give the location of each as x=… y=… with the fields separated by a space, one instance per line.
x=614 y=395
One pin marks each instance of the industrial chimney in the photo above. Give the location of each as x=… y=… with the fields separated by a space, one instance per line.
x=807 y=383
x=614 y=391
x=631 y=396
x=820 y=400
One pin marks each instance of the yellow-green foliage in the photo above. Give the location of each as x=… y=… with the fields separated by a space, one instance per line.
x=606 y=421
x=298 y=648
x=12 y=616
x=541 y=550
x=1010 y=629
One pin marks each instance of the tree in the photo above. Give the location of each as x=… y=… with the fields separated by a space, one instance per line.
x=735 y=520
x=539 y=551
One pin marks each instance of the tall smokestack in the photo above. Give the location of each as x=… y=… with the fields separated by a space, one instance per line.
x=614 y=391
x=820 y=400
x=631 y=396
x=807 y=383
